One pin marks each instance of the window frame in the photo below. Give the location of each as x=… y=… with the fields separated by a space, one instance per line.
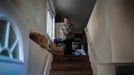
x=20 y=52
x=50 y=13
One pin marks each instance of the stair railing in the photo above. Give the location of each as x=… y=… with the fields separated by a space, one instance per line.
x=89 y=40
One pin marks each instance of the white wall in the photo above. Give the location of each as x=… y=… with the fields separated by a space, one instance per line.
x=121 y=21
x=99 y=32
x=27 y=15
x=34 y=11
x=39 y=60
x=111 y=30
x=106 y=69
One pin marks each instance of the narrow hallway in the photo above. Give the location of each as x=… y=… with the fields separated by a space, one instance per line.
x=71 y=65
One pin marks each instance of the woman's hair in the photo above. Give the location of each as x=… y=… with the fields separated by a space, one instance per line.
x=67 y=17
x=39 y=39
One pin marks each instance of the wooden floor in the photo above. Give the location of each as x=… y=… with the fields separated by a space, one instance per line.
x=71 y=65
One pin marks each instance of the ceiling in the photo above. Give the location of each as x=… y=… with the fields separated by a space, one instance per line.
x=78 y=10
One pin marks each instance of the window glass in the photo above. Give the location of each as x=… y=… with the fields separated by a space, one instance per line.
x=2 y=31
x=50 y=23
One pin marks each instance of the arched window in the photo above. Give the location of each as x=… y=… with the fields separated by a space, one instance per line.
x=10 y=41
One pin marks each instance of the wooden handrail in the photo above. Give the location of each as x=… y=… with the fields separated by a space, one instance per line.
x=90 y=42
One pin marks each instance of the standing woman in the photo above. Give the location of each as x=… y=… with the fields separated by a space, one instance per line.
x=67 y=30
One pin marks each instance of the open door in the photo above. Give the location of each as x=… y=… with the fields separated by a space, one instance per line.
x=13 y=40
x=11 y=50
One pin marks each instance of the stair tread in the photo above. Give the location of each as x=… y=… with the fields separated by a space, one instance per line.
x=71 y=57
x=71 y=65
x=71 y=73
x=68 y=63
x=61 y=59
x=67 y=69
x=77 y=61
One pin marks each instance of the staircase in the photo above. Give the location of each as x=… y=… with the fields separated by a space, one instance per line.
x=71 y=65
